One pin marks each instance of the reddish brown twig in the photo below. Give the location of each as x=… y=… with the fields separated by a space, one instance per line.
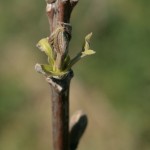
x=59 y=13
x=60 y=111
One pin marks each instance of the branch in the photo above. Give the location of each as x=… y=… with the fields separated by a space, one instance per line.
x=58 y=75
x=60 y=111
x=59 y=11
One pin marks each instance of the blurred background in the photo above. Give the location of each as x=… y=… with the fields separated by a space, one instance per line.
x=112 y=87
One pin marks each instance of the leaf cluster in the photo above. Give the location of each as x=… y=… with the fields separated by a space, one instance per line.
x=50 y=69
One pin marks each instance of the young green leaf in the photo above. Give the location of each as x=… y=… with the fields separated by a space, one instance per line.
x=87 y=41
x=47 y=70
x=50 y=69
x=88 y=37
x=44 y=46
x=88 y=52
x=85 y=52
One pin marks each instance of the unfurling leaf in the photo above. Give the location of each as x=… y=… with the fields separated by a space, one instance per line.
x=88 y=52
x=87 y=41
x=47 y=70
x=44 y=46
x=85 y=51
x=88 y=37
x=50 y=70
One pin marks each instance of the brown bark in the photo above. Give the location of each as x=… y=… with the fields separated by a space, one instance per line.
x=60 y=111
x=59 y=13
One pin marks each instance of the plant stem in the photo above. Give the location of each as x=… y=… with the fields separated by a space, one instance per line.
x=59 y=12
x=56 y=47
x=60 y=111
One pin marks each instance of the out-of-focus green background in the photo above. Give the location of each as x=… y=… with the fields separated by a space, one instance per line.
x=112 y=87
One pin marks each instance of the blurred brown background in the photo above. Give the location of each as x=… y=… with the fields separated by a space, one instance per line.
x=112 y=87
